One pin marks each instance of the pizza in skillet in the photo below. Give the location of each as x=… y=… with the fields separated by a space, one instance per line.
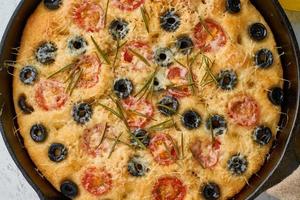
x=148 y=99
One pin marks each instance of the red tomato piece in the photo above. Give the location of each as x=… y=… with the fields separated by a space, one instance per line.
x=139 y=112
x=243 y=110
x=128 y=5
x=162 y=149
x=88 y=15
x=91 y=139
x=91 y=66
x=169 y=188
x=141 y=48
x=96 y=181
x=209 y=35
x=50 y=95
x=206 y=153
x=178 y=76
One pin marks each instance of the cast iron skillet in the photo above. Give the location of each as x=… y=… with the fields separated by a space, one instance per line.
x=285 y=38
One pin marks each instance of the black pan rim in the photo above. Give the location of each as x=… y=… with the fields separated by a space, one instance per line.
x=295 y=49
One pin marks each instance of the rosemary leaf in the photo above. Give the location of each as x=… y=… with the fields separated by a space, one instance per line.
x=205 y=26
x=102 y=135
x=120 y=141
x=106 y=11
x=145 y=17
x=61 y=70
x=141 y=114
x=110 y=110
x=100 y=51
x=161 y=126
x=168 y=108
x=141 y=57
x=74 y=81
x=114 y=145
x=182 y=146
x=147 y=85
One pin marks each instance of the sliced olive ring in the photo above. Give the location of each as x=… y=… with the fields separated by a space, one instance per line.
x=24 y=106
x=168 y=105
x=69 y=189
x=184 y=45
x=191 y=119
x=123 y=88
x=119 y=29
x=82 y=113
x=237 y=164
x=233 y=6
x=142 y=135
x=77 y=45
x=262 y=135
x=137 y=167
x=170 y=21
x=227 y=79
x=28 y=75
x=217 y=124
x=264 y=58
x=38 y=133
x=211 y=191
x=52 y=4
x=163 y=57
x=46 y=53
x=276 y=96
x=57 y=152
x=258 y=31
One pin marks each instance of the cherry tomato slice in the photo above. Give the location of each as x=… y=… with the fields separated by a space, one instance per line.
x=179 y=77
x=128 y=5
x=206 y=153
x=50 y=95
x=139 y=112
x=88 y=16
x=243 y=110
x=90 y=141
x=163 y=150
x=141 y=48
x=209 y=35
x=96 y=181
x=90 y=64
x=169 y=188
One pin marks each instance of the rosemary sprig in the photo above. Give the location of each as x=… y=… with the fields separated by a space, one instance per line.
x=208 y=65
x=194 y=58
x=180 y=86
x=142 y=114
x=102 y=135
x=120 y=114
x=106 y=11
x=169 y=109
x=146 y=89
x=168 y=151
x=162 y=125
x=74 y=81
x=120 y=141
x=145 y=17
x=114 y=145
x=100 y=51
x=205 y=26
x=141 y=57
x=61 y=70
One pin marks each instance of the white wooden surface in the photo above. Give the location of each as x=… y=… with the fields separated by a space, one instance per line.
x=13 y=186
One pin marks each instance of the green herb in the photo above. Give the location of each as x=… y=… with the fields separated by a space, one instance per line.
x=114 y=145
x=142 y=58
x=74 y=81
x=100 y=51
x=141 y=114
x=169 y=151
x=148 y=87
x=180 y=86
x=120 y=141
x=120 y=114
x=162 y=126
x=102 y=135
x=205 y=26
x=169 y=109
x=106 y=11
x=145 y=17
x=61 y=70
x=208 y=64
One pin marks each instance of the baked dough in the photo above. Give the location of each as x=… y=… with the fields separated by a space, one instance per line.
x=53 y=103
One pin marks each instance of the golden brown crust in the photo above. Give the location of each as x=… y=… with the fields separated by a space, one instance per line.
x=237 y=54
